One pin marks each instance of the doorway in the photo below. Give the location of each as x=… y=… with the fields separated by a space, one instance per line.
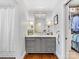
x=71 y=36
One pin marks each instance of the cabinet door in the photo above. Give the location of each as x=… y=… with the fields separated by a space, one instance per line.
x=49 y=45
x=6 y=24
x=5 y=30
x=43 y=45
x=12 y=28
x=33 y=45
x=37 y=45
x=30 y=45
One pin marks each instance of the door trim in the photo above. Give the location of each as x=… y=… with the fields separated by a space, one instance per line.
x=65 y=5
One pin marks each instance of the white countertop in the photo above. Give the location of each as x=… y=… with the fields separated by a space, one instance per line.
x=41 y=36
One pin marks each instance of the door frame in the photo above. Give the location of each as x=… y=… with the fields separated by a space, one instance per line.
x=66 y=14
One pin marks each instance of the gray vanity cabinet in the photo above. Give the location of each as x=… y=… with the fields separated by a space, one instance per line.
x=30 y=45
x=40 y=45
x=48 y=45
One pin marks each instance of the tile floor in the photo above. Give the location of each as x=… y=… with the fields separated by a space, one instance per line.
x=73 y=55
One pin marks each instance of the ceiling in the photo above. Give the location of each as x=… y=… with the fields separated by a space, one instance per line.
x=40 y=4
x=74 y=3
x=7 y=2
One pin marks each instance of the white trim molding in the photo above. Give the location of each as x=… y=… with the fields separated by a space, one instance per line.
x=66 y=1
x=22 y=57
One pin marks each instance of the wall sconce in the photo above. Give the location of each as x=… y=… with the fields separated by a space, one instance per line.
x=39 y=24
x=49 y=23
x=31 y=23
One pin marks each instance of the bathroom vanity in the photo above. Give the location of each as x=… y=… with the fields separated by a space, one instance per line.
x=40 y=36
x=40 y=44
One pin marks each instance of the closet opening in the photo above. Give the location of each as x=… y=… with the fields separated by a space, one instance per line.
x=72 y=30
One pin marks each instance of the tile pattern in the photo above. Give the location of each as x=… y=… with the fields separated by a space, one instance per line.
x=73 y=55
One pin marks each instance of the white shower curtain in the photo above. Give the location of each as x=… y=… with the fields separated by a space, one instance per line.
x=7 y=17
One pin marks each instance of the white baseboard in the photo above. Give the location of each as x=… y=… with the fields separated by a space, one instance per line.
x=7 y=54
x=20 y=55
x=23 y=55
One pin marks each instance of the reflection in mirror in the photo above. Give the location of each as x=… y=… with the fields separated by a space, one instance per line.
x=40 y=23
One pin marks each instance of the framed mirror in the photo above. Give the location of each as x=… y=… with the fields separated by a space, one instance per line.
x=56 y=19
x=39 y=23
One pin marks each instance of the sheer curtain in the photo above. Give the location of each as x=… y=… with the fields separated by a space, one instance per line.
x=7 y=17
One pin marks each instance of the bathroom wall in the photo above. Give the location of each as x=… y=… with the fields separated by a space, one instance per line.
x=39 y=5
x=7 y=3
x=20 y=29
x=60 y=29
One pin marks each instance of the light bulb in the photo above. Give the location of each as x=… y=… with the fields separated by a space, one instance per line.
x=49 y=23
x=39 y=24
x=31 y=23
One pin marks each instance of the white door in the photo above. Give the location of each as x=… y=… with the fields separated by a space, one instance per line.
x=6 y=29
x=0 y=30
x=11 y=16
